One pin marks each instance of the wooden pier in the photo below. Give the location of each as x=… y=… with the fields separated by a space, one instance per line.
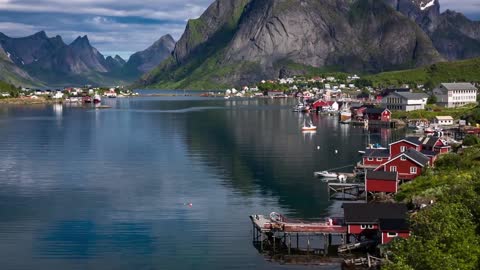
x=346 y=191
x=279 y=235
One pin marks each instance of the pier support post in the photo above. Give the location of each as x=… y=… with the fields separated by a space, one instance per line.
x=298 y=246
x=308 y=243
x=274 y=243
x=261 y=241
x=289 y=243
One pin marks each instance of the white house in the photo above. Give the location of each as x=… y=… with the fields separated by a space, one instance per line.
x=58 y=95
x=405 y=101
x=443 y=120
x=453 y=95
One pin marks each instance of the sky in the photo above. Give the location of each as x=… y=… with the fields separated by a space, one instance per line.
x=123 y=26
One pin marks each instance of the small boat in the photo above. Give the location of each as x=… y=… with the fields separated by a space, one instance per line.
x=87 y=99
x=300 y=107
x=326 y=174
x=97 y=98
x=309 y=128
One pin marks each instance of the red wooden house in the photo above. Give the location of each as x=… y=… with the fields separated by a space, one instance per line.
x=403 y=145
x=378 y=114
x=408 y=164
x=364 y=219
x=379 y=181
x=393 y=228
x=436 y=144
x=375 y=157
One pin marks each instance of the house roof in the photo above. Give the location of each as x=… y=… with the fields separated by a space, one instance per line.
x=362 y=213
x=394 y=225
x=377 y=153
x=375 y=110
x=445 y=118
x=459 y=86
x=430 y=141
x=380 y=175
x=417 y=157
x=413 y=140
x=428 y=153
x=411 y=96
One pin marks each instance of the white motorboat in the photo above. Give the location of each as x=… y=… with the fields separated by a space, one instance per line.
x=326 y=174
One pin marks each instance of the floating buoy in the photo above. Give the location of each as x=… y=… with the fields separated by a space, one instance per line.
x=336 y=151
x=188 y=204
x=318 y=147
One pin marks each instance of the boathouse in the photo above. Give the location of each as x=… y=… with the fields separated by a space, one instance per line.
x=408 y=164
x=390 y=229
x=378 y=114
x=364 y=219
x=380 y=181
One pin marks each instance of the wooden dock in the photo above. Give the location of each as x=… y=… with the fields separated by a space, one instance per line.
x=346 y=191
x=275 y=235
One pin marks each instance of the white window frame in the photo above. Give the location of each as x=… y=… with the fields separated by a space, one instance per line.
x=379 y=159
x=403 y=158
x=392 y=235
x=370 y=159
x=403 y=149
x=370 y=227
x=363 y=227
x=393 y=168
x=413 y=170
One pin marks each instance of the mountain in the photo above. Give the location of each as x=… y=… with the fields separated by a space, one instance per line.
x=12 y=74
x=244 y=41
x=144 y=61
x=114 y=63
x=453 y=35
x=26 y=50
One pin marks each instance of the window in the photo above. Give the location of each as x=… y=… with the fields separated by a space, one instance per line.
x=370 y=227
x=363 y=227
x=379 y=159
x=392 y=234
x=403 y=158
x=413 y=170
x=370 y=159
x=403 y=149
x=393 y=169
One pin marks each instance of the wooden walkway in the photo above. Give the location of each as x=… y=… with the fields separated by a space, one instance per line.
x=346 y=191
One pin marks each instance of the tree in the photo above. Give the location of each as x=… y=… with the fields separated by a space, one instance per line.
x=471 y=140
x=432 y=100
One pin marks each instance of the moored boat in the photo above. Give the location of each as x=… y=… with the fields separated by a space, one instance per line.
x=326 y=174
x=97 y=98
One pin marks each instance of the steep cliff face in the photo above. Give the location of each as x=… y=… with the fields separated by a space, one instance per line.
x=453 y=35
x=144 y=61
x=272 y=36
x=26 y=50
x=214 y=26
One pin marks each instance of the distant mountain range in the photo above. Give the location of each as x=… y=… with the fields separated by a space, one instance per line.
x=39 y=60
x=244 y=41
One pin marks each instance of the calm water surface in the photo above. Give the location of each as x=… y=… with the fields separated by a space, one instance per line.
x=107 y=189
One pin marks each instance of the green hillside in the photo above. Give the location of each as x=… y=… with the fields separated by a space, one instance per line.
x=458 y=71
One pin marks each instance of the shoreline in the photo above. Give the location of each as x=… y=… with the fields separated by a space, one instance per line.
x=27 y=101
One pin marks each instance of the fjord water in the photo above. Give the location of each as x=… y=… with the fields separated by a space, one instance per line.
x=109 y=189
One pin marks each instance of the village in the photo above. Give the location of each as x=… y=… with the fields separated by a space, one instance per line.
x=372 y=218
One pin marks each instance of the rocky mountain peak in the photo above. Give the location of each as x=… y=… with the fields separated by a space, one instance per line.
x=81 y=42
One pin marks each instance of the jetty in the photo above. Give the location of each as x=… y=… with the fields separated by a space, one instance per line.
x=346 y=191
x=275 y=233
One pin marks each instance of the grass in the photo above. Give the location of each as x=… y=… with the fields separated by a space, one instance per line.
x=457 y=71
x=433 y=111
